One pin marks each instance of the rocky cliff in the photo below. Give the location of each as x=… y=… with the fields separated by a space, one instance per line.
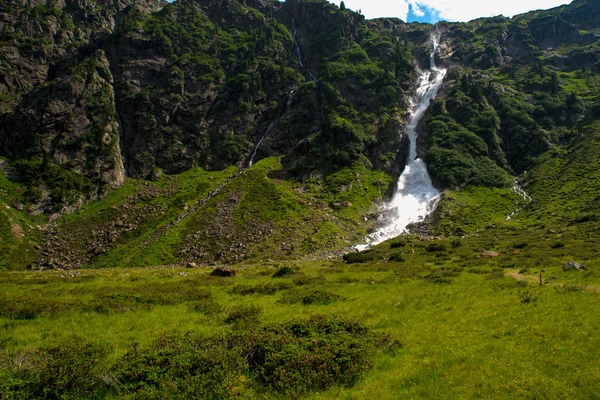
x=95 y=94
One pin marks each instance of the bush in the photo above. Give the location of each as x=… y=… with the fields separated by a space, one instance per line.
x=289 y=359
x=528 y=297
x=433 y=247
x=313 y=354
x=366 y=256
x=262 y=289
x=71 y=371
x=309 y=296
x=243 y=316
x=309 y=280
x=397 y=257
x=206 y=306
x=436 y=278
x=398 y=244
x=283 y=272
x=190 y=366
x=495 y=275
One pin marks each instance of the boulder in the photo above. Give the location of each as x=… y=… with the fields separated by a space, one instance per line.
x=223 y=272
x=573 y=265
x=191 y=265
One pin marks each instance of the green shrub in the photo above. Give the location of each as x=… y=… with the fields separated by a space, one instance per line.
x=436 y=278
x=69 y=372
x=309 y=280
x=243 y=315
x=206 y=306
x=366 y=256
x=309 y=296
x=283 y=272
x=398 y=257
x=397 y=244
x=266 y=288
x=313 y=354
x=435 y=247
x=185 y=366
x=528 y=297
x=495 y=275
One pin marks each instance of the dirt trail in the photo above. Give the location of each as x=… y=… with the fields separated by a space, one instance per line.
x=535 y=279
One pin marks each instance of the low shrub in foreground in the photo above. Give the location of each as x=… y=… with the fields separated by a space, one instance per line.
x=289 y=359
x=65 y=372
x=313 y=354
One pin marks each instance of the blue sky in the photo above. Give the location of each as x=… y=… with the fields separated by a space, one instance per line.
x=449 y=10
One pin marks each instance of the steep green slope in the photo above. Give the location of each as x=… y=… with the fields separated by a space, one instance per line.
x=215 y=217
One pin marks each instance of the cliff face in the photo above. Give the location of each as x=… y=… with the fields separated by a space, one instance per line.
x=108 y=89
x=123 y=88
x=95 y=92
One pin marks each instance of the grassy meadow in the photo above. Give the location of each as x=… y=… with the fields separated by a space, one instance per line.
x=437 y=320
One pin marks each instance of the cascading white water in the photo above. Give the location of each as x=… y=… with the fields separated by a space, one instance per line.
x=260 y=141
x=288 y=107
x=415 y=196
x=290 y=99
x=291 y=94
x=294 y=32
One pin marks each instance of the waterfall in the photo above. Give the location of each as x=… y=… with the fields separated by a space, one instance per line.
x=288 y=107
x=294 y=32
x=288 y=103
x=415 y=197
x=259 y=142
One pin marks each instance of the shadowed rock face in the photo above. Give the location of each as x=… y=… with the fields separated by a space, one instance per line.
x=120 y=88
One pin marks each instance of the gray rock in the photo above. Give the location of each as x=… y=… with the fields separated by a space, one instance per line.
x=573 y=265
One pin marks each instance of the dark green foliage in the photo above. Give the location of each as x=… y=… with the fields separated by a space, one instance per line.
x=291 y=359
x=206 y=306
x=459 y=156
x=362 y=257
x=283 y=272
x=64 y=186
x=267 y=288
x=309 y=296
x=243 y=316
x=397 y=244
x=63 y=372
x=436 y=278
x=109 y=300
x=433 y=247
x=528 y=297
x=397 y=257
x=192 y=366
x=313 y=355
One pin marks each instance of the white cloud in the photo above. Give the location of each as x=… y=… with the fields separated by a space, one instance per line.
x=452 y=10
